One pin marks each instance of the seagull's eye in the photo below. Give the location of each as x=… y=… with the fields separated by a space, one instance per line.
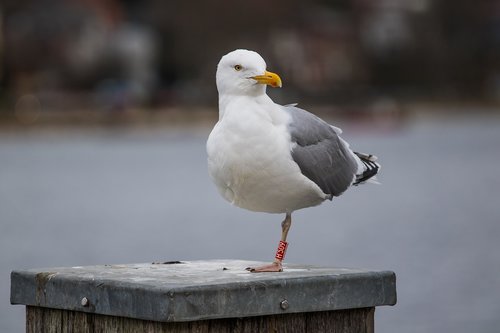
x=238 y=67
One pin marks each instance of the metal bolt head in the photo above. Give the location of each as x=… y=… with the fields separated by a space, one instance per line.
x=85 y=301
x=284 y=304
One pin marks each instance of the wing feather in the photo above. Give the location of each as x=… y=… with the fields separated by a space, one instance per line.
x=320 y=153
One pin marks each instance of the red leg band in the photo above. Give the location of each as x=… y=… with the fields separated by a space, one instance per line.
x=280 y=253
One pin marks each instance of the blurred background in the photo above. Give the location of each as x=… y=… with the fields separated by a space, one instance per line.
x=105 y=107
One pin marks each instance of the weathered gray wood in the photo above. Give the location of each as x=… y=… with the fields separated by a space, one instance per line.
x=215 y=296
x=48 y=320
x=200 y=290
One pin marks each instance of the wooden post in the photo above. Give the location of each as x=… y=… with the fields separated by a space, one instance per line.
x=201 y=296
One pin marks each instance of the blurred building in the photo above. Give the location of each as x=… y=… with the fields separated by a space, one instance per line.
x=113 y=55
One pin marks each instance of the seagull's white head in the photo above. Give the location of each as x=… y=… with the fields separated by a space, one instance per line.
x=243 y=72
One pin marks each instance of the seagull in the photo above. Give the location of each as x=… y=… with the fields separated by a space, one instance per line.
x=266 y=157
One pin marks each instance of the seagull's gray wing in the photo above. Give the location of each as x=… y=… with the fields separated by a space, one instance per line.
x=322 y=156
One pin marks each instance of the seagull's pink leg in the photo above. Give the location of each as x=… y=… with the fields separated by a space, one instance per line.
x=276 y=265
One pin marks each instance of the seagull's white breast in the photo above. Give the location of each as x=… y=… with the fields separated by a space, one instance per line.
x=249 y=158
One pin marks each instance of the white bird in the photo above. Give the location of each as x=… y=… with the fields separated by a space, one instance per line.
x=266 y=157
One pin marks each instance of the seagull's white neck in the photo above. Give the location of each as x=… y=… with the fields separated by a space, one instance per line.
x=225 y=100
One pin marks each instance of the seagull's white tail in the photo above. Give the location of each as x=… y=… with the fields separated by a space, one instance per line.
x=369 y=169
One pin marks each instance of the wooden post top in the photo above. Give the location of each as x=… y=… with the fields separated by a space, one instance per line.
x=196 y=290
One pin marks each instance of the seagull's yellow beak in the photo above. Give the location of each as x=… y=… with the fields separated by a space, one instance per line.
x=269 y=78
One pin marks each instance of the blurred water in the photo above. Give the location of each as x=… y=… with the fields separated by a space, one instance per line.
x=117 y=196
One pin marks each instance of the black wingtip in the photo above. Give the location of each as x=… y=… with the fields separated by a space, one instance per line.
x=371 y=168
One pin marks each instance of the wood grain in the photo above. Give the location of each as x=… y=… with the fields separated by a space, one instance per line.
x=45 y=320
